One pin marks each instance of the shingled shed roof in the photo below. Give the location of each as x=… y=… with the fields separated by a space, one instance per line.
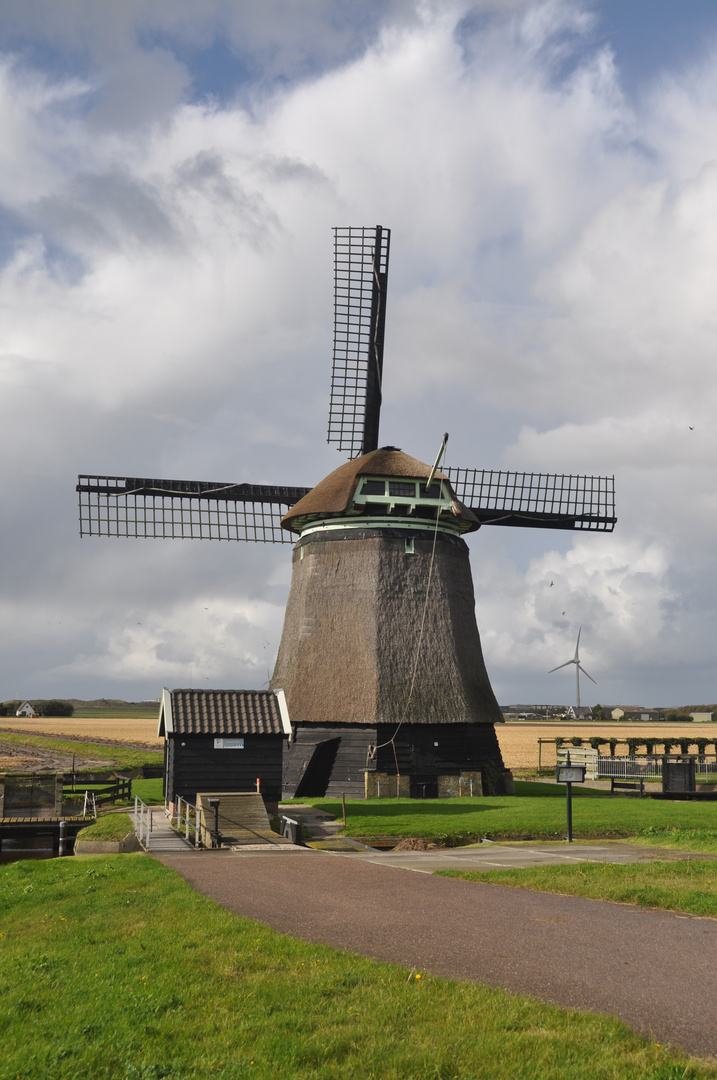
x=223 y=712
x=334 y=494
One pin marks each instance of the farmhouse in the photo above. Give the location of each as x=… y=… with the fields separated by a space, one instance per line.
x=223 y=740
x=26 y=709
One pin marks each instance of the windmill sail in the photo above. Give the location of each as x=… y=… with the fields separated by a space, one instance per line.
x=184 y=509
x=537 y=500
x=360 y=282
x=195 y=509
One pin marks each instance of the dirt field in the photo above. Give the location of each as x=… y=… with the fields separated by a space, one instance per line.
x=519 y=742
x=138 y=732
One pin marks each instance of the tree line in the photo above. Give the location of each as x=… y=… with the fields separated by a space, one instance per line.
x=49 y=707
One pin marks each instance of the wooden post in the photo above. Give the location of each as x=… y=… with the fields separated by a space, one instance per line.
x=343 y=806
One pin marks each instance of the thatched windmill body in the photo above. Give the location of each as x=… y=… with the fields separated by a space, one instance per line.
x=380 y=656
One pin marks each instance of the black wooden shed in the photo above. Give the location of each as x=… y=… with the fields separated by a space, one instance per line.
x=223 y=740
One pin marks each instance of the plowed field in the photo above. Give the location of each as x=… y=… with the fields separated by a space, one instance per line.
x=137 y=732
x=519 y=742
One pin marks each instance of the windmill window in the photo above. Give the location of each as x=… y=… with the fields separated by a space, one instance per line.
x=396 y=487
x=411 y=546
x=434 y=492
x=373 y=487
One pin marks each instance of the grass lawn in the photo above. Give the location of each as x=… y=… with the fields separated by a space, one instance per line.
x=126 y=756
x=114 y=969
x=108 y=827
x=678 y=886
x=537 y=812
x=149 y=791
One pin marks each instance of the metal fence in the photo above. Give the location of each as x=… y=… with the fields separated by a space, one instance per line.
x=624 y=768
x=648 y=768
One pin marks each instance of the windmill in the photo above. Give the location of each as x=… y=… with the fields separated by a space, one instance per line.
x=578 y=668
x=380 y=656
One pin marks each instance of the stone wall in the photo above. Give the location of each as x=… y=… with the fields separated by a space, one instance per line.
x=384 y=786
x=457 y=787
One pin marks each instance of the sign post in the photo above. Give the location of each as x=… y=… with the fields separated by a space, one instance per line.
x=570 y=774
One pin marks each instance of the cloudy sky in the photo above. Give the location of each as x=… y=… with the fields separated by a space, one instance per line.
x=170 y=171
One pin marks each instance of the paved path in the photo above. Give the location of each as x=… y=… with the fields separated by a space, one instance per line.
x=489 y=856
x=654 y=969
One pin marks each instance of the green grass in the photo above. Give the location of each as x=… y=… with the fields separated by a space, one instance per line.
x=108 y=827
x=126 y=756
x=689 y=886
x=536 y=813
x=114 y=969
x=149 y=791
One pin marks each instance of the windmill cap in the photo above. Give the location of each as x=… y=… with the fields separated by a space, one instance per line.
x=334 y=494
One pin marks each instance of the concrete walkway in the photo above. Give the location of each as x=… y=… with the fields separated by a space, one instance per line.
x=654 y=969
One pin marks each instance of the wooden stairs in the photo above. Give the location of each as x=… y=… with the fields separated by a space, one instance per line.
x=243 y=819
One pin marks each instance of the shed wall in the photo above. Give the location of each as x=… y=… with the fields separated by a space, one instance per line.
x=194 y=765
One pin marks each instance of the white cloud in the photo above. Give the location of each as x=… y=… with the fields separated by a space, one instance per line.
x=166 y=309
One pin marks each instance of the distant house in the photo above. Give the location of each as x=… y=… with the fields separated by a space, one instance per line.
x=702 y=717
x=223 y=740
x=578 y=712
x=26 y=709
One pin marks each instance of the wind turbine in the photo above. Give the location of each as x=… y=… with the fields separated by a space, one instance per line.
x=578 y=668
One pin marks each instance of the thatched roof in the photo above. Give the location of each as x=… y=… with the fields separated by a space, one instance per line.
x=335 y=493
x=352 y=633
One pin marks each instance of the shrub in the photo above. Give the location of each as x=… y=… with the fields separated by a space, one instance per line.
x=613 y=745
x=650 y=746
x=632 y=745
x=576 y=741
x=559 y=740
x=701 y=745
x=684 y=745
x=596 y=742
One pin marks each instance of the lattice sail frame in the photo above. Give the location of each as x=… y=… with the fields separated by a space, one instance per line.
x=537 y=500
x=187 y=509
x=360 y=285
x=184 y=509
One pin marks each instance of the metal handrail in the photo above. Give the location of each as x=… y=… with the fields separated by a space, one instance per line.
x=143 y=821
x=184 y=810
